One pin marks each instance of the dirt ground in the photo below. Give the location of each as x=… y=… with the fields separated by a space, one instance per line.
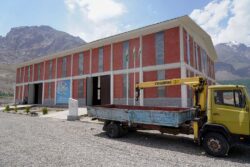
x=37 y=141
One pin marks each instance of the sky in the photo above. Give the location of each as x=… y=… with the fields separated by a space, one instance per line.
x=224 y=20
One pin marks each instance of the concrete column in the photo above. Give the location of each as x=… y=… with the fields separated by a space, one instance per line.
x=71 y=75
x=33 y=73
x=14 y=93
x=111 y=76
x=43 y=82
x=23 y=83
x=141 y=72
x=183 y=70
x=90 y=62
x=55 y=83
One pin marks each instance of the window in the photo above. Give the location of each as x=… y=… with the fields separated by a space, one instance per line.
x=204 y=61
x=196 y=56
x=20 y=75
x=161 y=89
x=159 y=46
x=229 y=97
x=80 y=64
x=188 y=50
x=50 y=69
x=28 y=73
x=125 y=85
x=125 y=54
x=64 y=67
x=38 y=71
x=49 y=90
x=100 y=58
x=80 y=88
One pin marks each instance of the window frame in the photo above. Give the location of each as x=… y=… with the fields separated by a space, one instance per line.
x=239 y=105
x=80 y=64
x=159 y=48
x=100 y=58
x=64 y=67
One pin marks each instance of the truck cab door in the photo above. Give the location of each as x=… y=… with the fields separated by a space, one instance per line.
x=229 y=109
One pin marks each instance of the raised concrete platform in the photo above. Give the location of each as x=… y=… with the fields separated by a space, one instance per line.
x=64 y=114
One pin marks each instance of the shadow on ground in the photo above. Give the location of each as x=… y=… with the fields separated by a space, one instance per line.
x=239 y=154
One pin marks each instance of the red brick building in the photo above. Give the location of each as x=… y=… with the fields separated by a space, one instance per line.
x=105 y=71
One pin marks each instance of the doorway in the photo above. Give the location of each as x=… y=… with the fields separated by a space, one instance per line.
x=38 y=93
x=35 y=93
x=98 y=90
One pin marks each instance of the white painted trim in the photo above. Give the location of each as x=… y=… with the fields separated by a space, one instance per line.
x=33 y=73
x=15 y=93
x=90 y=62
x=111 y=76
x=43 y=91
x=141 y=72
x=22 y=92
x=71 y=75
x=183 y=69
x=55 y=80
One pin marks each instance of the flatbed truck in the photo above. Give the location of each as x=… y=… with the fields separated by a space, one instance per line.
x=218 y=120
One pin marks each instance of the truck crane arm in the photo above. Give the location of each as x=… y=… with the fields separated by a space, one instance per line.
x=198 y=84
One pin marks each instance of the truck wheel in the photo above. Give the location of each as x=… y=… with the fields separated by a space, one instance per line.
x=113 y=130
x=216 y=144
x=123 y=131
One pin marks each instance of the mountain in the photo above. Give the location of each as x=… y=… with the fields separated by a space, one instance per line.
x=26 y=43
x=233 y=61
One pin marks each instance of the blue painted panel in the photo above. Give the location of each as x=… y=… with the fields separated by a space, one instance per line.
x=161 y=118
x=63 y=92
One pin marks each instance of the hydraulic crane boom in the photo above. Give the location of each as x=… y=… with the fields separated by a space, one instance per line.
x=198 y=84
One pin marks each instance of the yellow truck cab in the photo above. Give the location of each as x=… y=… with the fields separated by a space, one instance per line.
x=228 y=120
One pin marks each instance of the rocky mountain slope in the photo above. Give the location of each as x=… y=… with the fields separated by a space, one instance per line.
x=26 y=43
x=233 y=61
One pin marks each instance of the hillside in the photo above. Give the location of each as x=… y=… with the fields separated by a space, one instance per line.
x=233 y=61
x=27 y=43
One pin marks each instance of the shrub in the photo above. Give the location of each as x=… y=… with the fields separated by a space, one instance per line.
x=45 y=110
x=15 y=109
x=27 y=110
x=7 y=108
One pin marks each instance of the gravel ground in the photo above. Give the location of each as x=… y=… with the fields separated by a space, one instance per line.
x=34 y=141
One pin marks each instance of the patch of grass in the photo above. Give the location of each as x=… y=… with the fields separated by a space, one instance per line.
x=27 y=110
x=45 y=110
x=7 y=108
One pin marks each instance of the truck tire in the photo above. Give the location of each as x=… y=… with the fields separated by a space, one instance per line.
x=215 y=144
x=123 y=131
x=113 y=130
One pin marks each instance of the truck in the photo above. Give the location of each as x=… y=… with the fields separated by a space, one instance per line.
x=218 y=120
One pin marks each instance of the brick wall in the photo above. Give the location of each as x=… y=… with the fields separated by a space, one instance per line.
x=95 y=60
x=117 y=56
x=173 y=91
x=106 y=57
x=75 y=64
x=118 y=86
x=150 y=76
x=172 y=45
x=148 y=50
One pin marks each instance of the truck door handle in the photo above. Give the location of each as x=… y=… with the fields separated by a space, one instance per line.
x=216 y=114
